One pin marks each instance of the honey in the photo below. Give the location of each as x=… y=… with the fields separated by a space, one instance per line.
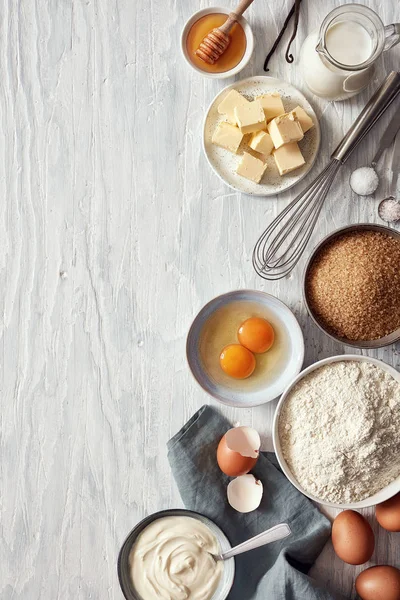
x=232 y=55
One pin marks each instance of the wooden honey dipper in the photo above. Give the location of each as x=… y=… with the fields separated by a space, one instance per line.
x=216 y=42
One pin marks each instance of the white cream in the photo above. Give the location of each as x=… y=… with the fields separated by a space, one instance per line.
x=170 y=560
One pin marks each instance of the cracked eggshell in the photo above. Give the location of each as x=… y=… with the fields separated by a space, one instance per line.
x=245 y=493
x=244 y=440
x=238 y=451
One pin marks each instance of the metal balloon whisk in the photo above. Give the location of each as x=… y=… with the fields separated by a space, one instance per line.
x=283 y=242
x=280 y=247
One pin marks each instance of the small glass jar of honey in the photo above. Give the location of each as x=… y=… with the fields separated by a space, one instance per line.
x=235 y=57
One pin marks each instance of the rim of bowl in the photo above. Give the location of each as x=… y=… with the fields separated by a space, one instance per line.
x=249 y=42
x=143 y=523
x=317 y=126
x=386 y=340
x=367 y=502
x=218 y=397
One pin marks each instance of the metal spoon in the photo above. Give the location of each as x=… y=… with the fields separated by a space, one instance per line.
x=386 y=140
x=391 y=204
x=278 y=532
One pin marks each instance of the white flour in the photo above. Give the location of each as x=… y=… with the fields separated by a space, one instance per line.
x=340 y=431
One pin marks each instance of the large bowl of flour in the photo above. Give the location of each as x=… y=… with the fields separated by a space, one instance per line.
x=336 y=431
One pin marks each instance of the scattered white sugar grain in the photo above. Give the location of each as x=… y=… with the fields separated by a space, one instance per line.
x=63 y=274
x=364 y=181
x=389 y=210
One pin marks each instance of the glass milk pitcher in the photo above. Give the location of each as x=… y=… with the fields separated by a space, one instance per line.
x=338 y=61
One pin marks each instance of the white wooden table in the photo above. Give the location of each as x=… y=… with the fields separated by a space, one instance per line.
x=103 y=180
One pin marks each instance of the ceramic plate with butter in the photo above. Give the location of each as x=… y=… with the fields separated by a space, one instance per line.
x=225 y=163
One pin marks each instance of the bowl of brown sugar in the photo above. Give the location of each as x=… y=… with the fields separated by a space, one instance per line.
x=351 y=285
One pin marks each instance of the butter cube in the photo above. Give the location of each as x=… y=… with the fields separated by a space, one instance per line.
x=261 y=142
x=229 y=103
x=285 y=129
x=272 y=105
x=306 y=121
x=288 y=158
x=250 y=117
x=227 y=136
x=251 y=168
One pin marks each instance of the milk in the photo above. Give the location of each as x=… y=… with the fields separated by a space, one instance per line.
x=348 y=43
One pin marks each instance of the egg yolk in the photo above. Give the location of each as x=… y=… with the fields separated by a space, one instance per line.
x=256 y=334
x=237 y=361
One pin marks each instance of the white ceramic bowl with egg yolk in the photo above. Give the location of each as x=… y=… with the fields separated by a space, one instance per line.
x=254 y=390
x=384 y=494
x=249 y=42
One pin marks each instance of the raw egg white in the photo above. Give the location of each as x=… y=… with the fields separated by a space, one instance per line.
x=236 y=361
x=352 y=538
x=382 y=582
x=256 y=334
x=221 y=329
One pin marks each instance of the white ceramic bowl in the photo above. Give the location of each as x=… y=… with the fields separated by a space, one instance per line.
x=242 y=393
x=249 y=45
x=388 y=491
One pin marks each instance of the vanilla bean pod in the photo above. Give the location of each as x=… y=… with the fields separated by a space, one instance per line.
x=295 y=10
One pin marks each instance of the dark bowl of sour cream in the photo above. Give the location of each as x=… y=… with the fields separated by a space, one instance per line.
x=168 y=554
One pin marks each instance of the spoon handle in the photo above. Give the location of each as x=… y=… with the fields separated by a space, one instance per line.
x=372 y=111
x=387 y=137
x=278 y=532
x=395 y=166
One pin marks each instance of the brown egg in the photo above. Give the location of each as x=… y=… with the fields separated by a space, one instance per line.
x=379 y=583
x=388 y=513
x=352 y=538
x=233 y=448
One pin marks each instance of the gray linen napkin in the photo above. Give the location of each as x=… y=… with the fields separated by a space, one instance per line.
x=274 y=572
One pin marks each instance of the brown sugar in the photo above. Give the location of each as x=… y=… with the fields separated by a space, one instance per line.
x=353 y=285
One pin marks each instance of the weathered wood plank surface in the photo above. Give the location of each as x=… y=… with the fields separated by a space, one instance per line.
x=102 y=177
